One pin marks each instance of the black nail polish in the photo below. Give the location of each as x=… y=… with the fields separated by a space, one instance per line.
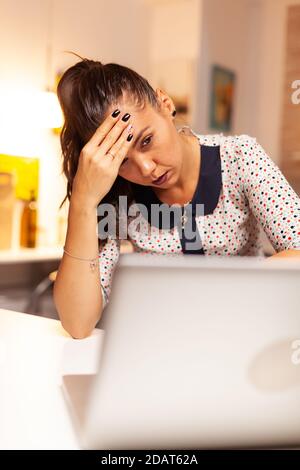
x=116 y=113
x=129 y=138
x=126 y=117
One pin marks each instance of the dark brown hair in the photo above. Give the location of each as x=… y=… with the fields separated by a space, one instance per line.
x=86 y=91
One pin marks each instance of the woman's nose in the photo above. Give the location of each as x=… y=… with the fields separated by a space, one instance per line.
x=146 y=166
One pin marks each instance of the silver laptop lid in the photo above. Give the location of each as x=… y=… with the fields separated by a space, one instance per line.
x=198 y=352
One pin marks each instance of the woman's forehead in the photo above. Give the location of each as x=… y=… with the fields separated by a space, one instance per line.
x=141 y=116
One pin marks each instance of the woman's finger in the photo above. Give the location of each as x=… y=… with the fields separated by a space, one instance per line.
x=126 y=143
x=115 y=149
x=109 y=131
x=114 y=134
x=104 y=128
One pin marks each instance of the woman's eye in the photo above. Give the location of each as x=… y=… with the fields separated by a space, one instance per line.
x=146 y=140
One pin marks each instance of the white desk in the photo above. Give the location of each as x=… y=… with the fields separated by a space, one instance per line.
x=34 y=352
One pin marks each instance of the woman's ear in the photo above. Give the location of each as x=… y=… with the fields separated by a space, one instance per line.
x=167 y=104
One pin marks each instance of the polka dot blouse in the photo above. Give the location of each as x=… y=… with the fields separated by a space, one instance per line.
x=239 y=188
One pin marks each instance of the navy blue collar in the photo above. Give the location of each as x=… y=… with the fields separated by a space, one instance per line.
x=208 y=187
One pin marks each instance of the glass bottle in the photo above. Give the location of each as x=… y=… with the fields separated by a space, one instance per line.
x=29 y=223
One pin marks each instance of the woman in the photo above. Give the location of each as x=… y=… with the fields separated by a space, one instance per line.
x=137 y=152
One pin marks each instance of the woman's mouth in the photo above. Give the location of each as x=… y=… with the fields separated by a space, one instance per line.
x=162 y=179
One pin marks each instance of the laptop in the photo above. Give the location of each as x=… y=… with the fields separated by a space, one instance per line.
x=198 y=352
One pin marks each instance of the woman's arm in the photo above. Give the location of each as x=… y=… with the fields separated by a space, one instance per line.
x=78 y=293
x=77 y=290
x=287 y=254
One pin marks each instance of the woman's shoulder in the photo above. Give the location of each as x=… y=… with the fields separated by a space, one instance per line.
x=219 y=139
x=231 y=146
x=204 y=139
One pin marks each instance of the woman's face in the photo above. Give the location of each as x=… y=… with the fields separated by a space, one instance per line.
x=157 y=147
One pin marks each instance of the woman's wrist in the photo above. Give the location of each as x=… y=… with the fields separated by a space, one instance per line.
x=82 y=204
x=82 y=235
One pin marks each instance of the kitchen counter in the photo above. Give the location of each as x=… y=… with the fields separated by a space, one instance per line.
x=21 y=255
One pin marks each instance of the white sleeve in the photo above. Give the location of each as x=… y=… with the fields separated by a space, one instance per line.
x=271 y=198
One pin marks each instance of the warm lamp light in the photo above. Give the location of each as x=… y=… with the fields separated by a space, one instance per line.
x=30 y=109
x=49 y=110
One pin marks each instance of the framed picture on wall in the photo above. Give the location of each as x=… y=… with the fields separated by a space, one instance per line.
x=222 y=97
